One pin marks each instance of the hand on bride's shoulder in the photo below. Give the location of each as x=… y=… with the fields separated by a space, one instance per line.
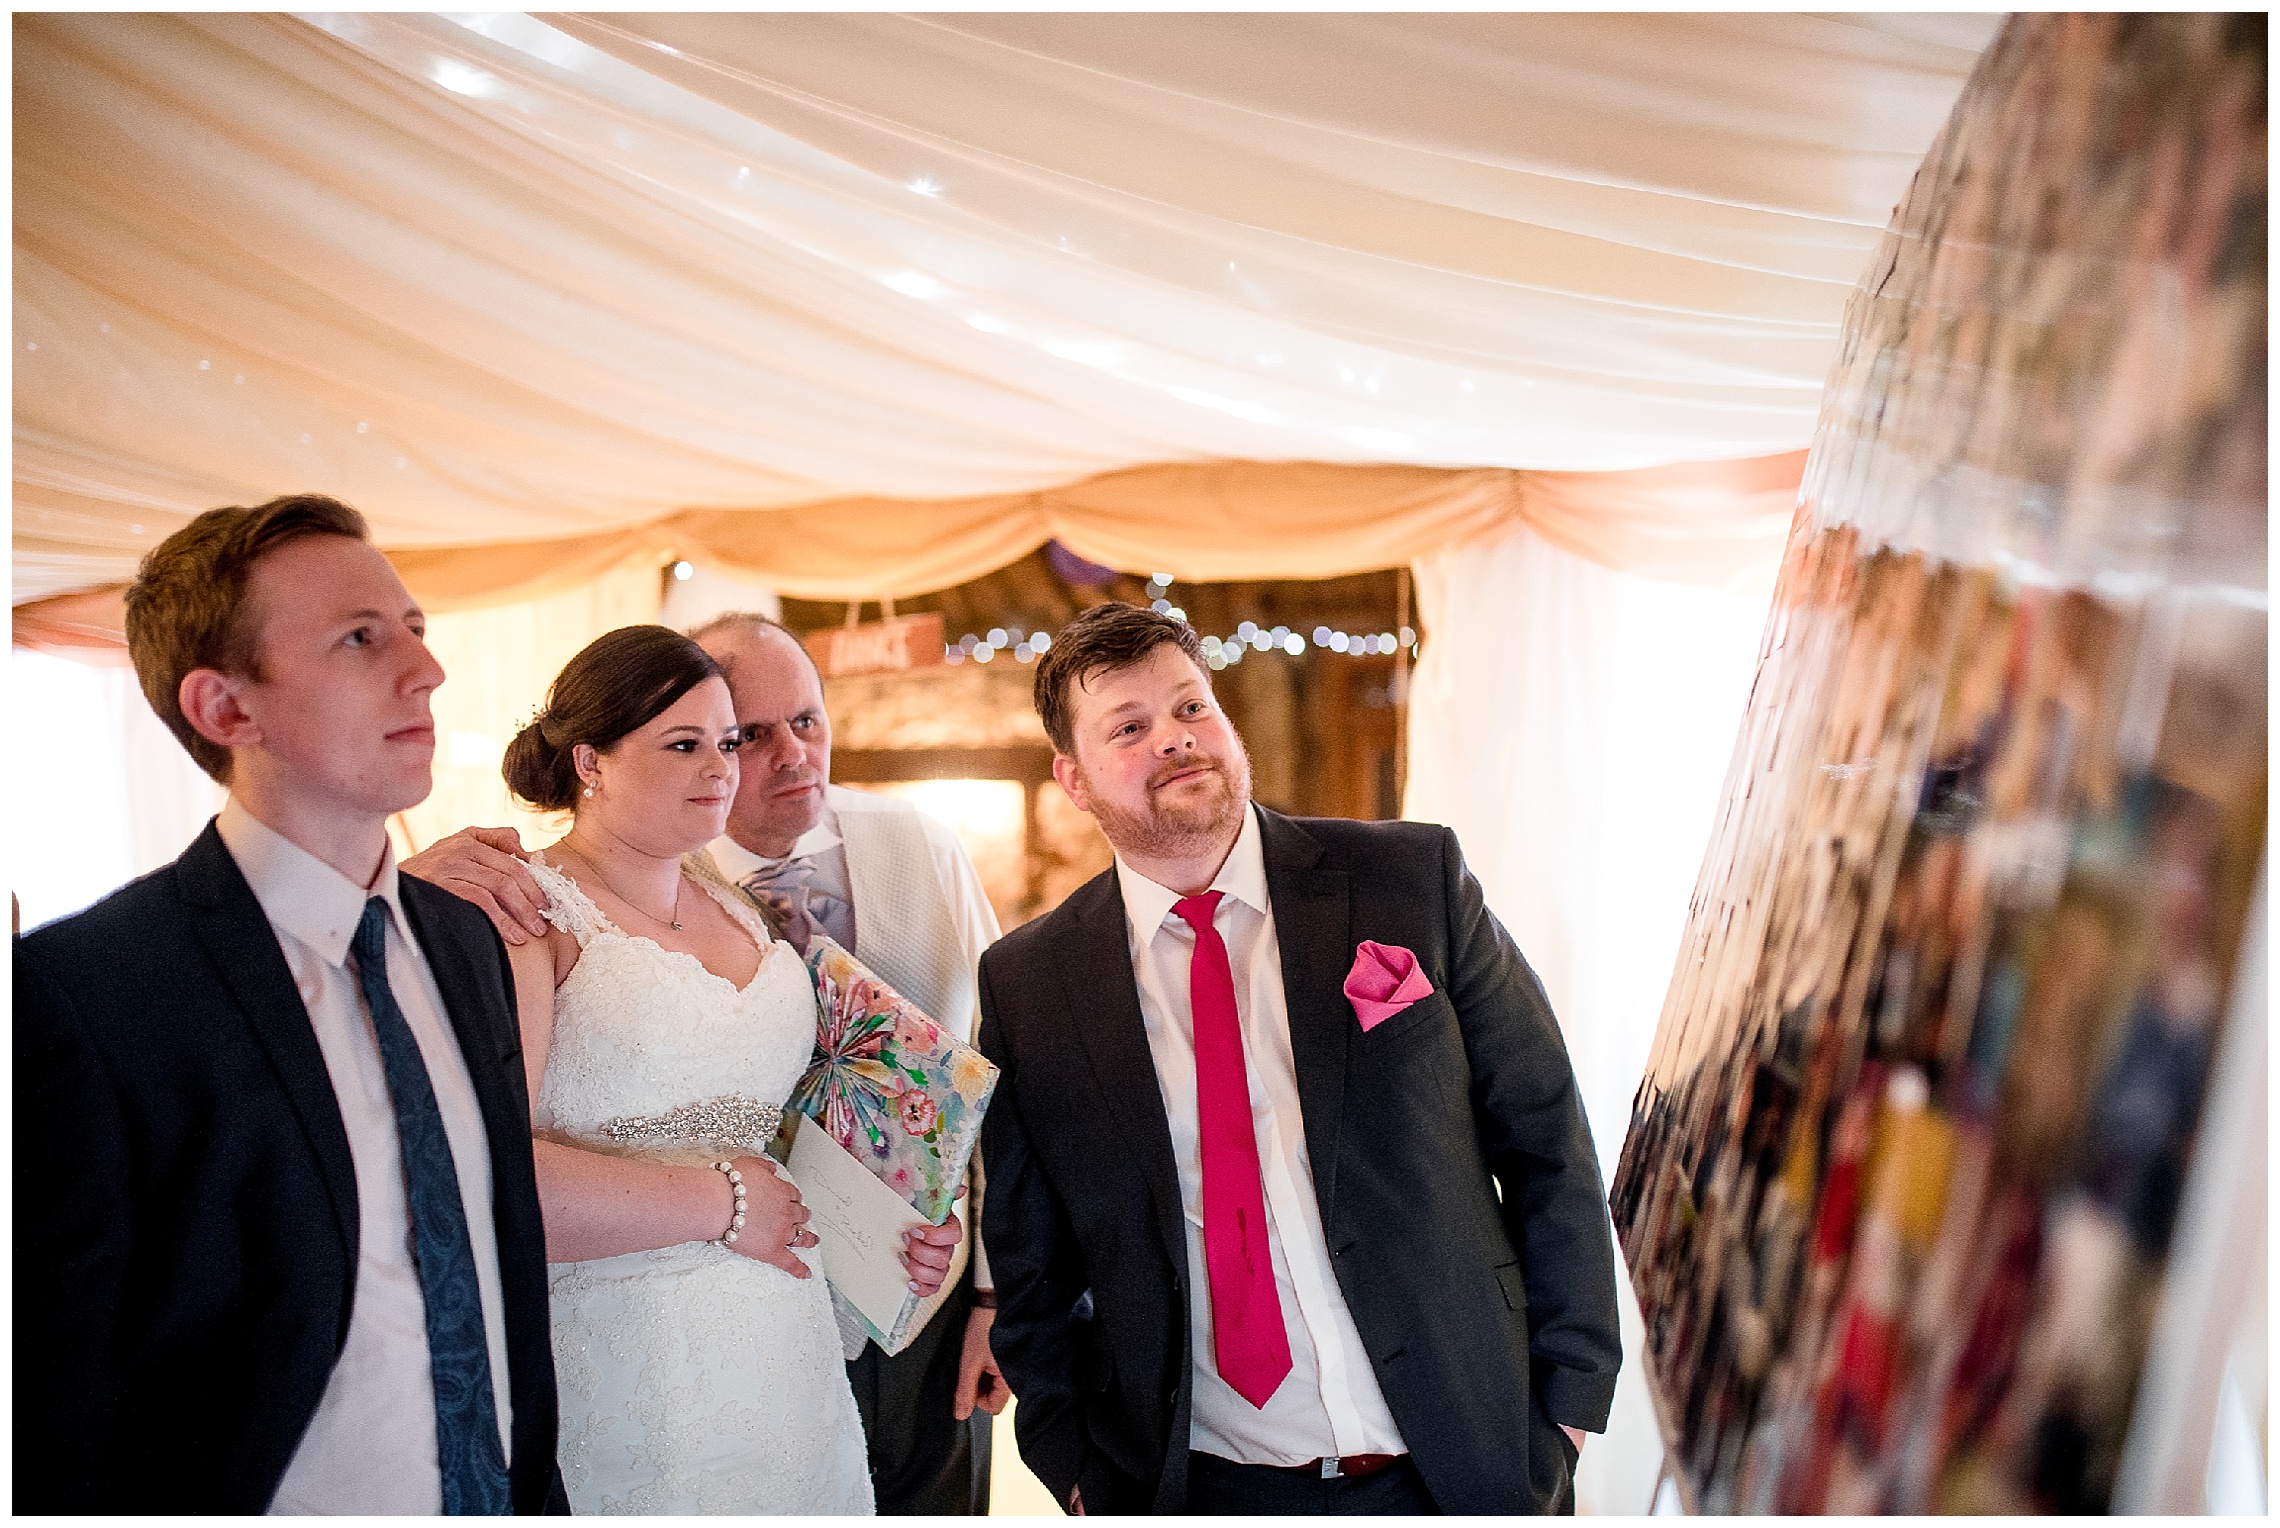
x=485 y=866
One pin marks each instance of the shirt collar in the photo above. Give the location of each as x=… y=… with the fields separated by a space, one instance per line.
x=299 y=893
x=1243 y=878
x=737 y=862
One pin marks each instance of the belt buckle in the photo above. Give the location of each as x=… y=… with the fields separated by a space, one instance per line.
x=1361 y=1465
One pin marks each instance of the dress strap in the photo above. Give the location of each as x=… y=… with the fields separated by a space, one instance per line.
x=568 y=907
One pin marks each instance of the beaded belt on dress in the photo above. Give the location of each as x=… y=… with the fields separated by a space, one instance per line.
x=732 y=1120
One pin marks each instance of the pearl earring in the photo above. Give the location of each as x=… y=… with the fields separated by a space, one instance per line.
x=589 y=789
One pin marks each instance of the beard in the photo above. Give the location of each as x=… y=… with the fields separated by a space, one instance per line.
x=1199 y=820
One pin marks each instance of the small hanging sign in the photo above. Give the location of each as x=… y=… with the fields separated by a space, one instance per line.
x=878 y=647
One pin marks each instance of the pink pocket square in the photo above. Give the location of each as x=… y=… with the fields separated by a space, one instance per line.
x=1386 y=979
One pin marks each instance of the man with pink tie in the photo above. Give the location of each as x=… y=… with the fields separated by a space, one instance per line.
x=1292 y=1203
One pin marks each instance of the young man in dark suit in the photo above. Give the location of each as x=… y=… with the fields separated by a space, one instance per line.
x=278 y=1244
x=1292 y=1203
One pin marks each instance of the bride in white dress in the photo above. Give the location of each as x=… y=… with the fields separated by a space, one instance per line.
x=698 y=1364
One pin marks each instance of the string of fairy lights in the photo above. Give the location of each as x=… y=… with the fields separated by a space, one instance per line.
x=1219 y=652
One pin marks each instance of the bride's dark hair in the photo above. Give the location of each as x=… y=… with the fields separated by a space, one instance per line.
x=620 y=681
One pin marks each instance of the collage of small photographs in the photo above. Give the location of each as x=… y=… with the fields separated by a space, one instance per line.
x=1905 y=1176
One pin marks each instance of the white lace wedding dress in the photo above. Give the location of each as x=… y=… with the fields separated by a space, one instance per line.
x=692 y=1378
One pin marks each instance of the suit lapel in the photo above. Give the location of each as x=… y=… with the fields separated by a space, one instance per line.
x=483 y=1043
x=1104 y=999
x=1313 y=924
x=227 y=920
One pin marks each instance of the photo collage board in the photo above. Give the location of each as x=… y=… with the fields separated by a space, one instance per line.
x=1902 y=1183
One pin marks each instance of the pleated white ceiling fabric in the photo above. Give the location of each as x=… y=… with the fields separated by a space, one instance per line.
x=497 y=278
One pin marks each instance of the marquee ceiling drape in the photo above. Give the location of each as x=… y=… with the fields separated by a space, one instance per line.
x=536 y=293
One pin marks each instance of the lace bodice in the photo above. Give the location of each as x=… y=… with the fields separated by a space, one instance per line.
x=640 y=1029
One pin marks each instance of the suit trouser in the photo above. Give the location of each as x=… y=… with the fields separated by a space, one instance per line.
x=923 y=1460
x=1221 y=1487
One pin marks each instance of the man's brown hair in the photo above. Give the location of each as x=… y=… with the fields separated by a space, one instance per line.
x=187 y=608
x=1105 y=638
x=621 y=681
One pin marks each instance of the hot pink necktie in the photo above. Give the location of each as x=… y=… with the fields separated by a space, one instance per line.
x=1248 y=1339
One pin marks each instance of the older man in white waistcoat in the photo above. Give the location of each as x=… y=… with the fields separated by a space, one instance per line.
x=894 y=886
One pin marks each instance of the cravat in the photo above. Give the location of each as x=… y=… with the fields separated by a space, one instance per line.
x=466 y=1413
x=1247 y=1335
x=804 y=909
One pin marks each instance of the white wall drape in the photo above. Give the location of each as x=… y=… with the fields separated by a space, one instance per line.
x=497 y=664
x=99 y=791
x=1575 y=725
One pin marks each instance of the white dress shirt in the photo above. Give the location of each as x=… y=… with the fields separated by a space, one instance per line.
x=370 y=1448
x=1329 y=1403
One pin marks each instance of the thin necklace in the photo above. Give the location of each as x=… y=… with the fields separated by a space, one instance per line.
x=673 y=923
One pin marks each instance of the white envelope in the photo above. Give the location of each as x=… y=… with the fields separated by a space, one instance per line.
x=858 y=1222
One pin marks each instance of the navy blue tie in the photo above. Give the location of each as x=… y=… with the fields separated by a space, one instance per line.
x=459 y=1354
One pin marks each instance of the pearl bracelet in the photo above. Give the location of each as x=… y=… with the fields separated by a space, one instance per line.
x=736 y=1218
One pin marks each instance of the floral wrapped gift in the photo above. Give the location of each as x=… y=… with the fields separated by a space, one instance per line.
x=902 y=1093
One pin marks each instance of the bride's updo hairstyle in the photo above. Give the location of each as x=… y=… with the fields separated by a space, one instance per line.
x=620 y=681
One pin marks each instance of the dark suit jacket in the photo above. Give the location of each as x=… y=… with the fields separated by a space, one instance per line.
x=186 y=1216
x=1459 y=1193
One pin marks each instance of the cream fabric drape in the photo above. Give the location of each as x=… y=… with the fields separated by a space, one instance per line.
x=508 y=284
x=1574 y=725
x=1717 y=524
